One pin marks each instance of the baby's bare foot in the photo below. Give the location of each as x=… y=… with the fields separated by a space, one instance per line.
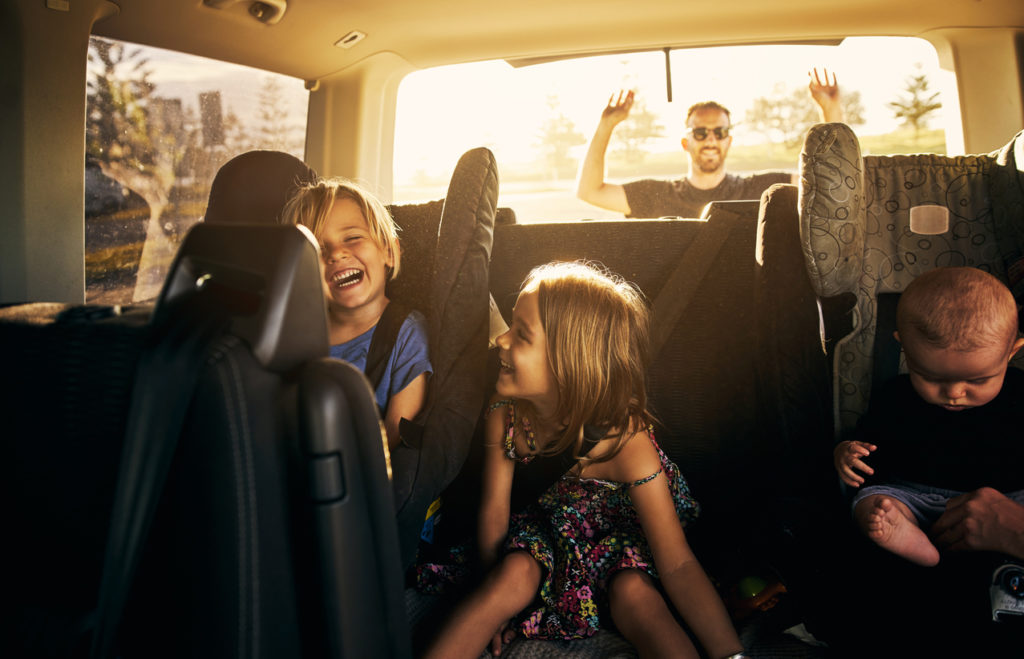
x=887 y=526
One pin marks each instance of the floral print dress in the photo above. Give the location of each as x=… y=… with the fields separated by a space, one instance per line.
x=583 y=531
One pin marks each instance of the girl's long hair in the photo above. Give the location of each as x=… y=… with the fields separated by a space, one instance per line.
x=597 y=330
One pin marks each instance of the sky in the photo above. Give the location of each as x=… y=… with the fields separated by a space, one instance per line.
x=443 y=112
x=181 y=76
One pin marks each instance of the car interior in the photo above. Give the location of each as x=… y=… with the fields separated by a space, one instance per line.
x=189 y=474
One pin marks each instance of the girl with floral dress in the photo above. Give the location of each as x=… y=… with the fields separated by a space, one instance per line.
x=599 y=540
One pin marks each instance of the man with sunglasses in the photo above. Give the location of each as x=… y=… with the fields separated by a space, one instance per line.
x=706 y=143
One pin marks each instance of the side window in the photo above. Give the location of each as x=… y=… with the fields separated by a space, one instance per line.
x=538 y=118
x=158 y=126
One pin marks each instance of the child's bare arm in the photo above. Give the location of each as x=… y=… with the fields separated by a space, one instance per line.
x=682 y=575
x=496 y=490
x=848 y=458
x=406 y=404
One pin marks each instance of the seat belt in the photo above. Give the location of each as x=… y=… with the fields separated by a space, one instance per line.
x=382 y=343
x=165 y=381
x=678 y=291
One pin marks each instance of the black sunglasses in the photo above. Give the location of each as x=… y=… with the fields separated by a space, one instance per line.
x=700 y=133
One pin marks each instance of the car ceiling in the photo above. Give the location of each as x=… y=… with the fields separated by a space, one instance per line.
x=435 y=32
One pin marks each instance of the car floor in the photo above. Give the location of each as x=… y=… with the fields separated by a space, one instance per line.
x=765 y=636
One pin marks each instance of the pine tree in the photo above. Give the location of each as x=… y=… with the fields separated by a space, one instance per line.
x=133 y=135
x=915 y=108
x=558 y=135
x=639 y=128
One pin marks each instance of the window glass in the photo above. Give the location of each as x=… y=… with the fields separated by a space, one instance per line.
x=538 y=119
x=158 y=126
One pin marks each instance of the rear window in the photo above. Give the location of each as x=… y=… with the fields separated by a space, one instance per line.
x=159 y=125
x=538 y=119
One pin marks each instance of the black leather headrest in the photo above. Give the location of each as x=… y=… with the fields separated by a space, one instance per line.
x=266 y=278
x=252 y=188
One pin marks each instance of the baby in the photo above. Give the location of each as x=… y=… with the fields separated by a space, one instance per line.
x=951 y=426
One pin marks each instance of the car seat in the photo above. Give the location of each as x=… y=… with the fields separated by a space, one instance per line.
x=253 y=187
x=446 y=253
x=869 y=225
x=274 y=534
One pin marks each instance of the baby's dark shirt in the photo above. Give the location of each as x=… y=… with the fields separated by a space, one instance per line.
x=926 y=444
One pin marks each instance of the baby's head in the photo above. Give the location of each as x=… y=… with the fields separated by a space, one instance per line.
x=958 y=327
x=358 y=238
x=595 y=328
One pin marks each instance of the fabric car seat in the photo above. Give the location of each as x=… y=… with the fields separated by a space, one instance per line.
x=274 y=534
x=703 y=387
x=446 y=253
x=253 y=187
x=869 y=225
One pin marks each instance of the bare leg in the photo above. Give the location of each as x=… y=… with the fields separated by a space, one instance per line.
x=643 y=617
x=506 y=591
x=891 y=525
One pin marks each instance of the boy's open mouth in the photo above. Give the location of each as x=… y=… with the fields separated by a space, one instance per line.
x=347 y=277
x=505 y=366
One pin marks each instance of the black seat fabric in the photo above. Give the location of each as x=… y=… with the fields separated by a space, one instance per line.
x=793 y=350
x=65 y=391
x=703 y=387
x=275 y=533
x=253 y=187
x=445 y=261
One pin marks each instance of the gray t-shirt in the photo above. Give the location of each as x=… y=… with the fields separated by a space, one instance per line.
x=660 y=198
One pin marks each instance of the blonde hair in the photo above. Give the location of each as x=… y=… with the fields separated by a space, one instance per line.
x=957 y=308
x=312 y=203
x=596 y=328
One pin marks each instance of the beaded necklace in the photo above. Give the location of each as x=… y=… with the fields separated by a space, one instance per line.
x=509 y=444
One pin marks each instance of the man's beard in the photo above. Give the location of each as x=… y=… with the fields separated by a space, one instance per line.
x=711 y=161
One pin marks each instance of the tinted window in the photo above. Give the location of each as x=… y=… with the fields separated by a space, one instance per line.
x=538 y=119
x=159 y=125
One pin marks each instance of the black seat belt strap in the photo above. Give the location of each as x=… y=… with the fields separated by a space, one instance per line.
x=678 y=291
x=383 y=341
x=165 y=381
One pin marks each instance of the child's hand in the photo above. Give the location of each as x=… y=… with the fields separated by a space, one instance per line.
x=504 y=635
x=848 y=457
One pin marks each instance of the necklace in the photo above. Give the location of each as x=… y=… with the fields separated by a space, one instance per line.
x=531 y=440
x=510 y=433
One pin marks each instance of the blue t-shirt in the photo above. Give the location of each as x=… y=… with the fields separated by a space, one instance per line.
x=408 y=360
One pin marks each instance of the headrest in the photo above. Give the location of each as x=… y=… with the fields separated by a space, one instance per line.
x=876 y=222
x=252 y=188
x=266 y=277
x=1007 y=185
x=832 y=211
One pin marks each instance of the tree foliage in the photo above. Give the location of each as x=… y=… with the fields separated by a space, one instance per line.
x=633 y=134
x=917 y=104
x=556 y=139
x=785 y=115
x=118 y=128
x=272 y=131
